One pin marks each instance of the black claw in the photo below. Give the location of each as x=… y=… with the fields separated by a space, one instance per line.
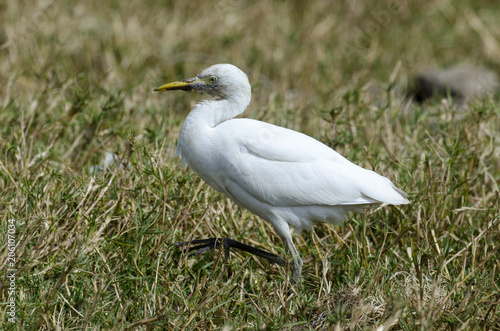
x=202 y=249
x=199 y=246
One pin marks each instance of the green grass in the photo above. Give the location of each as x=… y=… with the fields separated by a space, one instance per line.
x=93 y=248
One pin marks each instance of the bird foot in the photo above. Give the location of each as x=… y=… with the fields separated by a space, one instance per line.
x=199 y=246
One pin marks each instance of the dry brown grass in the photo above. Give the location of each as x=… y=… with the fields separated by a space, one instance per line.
x=93 y=248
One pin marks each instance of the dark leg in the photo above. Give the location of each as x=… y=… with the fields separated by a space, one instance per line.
x=196 y=247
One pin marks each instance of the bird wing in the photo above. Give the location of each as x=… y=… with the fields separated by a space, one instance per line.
x=285 y=168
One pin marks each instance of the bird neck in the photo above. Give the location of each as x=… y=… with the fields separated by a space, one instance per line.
x=217 y=111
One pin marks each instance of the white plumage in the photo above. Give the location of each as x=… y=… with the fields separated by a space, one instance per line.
x=283 y=176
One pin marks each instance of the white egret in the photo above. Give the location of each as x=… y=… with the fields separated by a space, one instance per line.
x=285 y=177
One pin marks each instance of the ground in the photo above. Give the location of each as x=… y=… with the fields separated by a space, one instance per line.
x=86 y=242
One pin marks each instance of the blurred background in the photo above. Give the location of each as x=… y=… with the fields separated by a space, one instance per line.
x=77 y=80
x=302 y=58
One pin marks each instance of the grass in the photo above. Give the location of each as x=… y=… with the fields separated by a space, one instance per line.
x=93 y=247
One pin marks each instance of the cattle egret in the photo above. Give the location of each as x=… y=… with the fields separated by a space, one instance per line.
x=285 y=177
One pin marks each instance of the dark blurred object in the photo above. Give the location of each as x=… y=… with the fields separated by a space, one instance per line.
x=461 y=83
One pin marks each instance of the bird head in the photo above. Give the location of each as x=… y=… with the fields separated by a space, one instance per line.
x=220 y=80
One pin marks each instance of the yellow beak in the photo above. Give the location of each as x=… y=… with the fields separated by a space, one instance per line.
x=185 y=85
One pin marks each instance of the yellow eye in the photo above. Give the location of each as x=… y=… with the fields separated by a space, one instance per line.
x=212 y=79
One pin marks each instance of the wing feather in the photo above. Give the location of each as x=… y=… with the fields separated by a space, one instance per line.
x=285 y=168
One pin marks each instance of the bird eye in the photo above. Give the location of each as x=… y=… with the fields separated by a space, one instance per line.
x=212 y=79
